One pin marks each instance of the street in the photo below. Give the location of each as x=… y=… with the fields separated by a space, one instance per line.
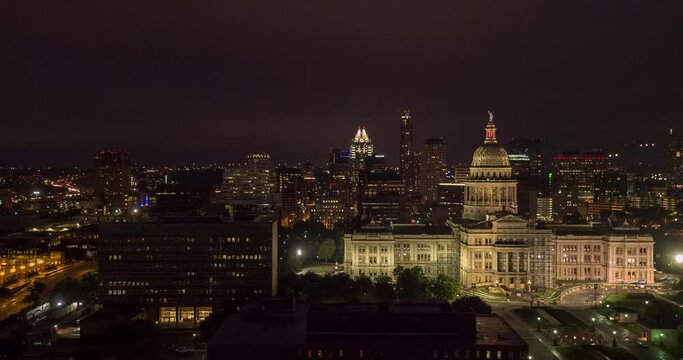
x=75 y=270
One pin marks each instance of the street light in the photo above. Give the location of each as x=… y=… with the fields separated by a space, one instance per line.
x=614 y=339
x=593 y=320
x=554 y=337
x=539 y=324
x=679 y=261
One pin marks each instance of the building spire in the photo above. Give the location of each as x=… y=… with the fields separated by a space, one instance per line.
x=365 y=135
x=358 y=135
x=490 y=131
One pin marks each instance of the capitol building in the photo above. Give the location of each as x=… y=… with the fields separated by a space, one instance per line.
x=493 y=246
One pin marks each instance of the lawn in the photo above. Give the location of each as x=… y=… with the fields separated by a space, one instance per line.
x=565 y=318
x=677 y=298
x=530 y=316
x=629 y=302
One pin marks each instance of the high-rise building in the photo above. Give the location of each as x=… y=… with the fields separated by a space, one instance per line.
x=330 y=211
x=112 y=178
x=532 y=165
x=461 y=172
x=309 y=189
x=432 y=167
x=382 y=197
x=361 y=149
x=289 y=185
x=675 y=160
x=577 y=174
x=489 y=187
x=182 y=270
x=407 y=156
x=253 y=180
x=450 y=197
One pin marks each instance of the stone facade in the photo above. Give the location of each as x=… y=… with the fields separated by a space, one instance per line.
x=376 y=250
x=615 y=258
x=507 y=252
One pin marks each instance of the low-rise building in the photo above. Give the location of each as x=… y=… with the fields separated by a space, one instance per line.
x=620 y=255
x=376 y=249
x=364 y=331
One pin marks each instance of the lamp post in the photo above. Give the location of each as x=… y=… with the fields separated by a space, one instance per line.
x=614 y=339
x=593 y=320
x=679 y=260
x=555 y=337
x=539 y=324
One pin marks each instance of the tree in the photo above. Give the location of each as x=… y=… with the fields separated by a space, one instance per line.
x=90 y=283
x=384 y=290
x=67 y=291
x=326 y=250
x=471 y=303
x=363 y=288
x=444 y=287
x=412 y=284
x=35 y=290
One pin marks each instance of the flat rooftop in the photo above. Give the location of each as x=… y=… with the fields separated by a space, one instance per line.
x=364 y=323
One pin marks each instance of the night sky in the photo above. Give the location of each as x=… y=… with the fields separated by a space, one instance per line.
x=176 y=82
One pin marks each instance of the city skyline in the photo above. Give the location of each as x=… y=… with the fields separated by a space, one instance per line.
x=184 y=155
x=196 y=86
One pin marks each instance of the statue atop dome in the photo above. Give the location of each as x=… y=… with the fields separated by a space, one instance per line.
x=490 y=131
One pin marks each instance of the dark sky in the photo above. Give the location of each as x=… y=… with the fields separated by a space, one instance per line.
x=178 y=81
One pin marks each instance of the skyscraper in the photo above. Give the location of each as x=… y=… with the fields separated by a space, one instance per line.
x=112 y=177
x=250 y=181
x=289 y=185
x=407 y=157
x=675 y=159
x=432 y=168
x=577 y=173
x=361 y=149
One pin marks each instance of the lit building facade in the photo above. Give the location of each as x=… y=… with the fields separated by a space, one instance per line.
x=489 y=188
x=621 y=256
x=376 y=249
x=577 y=174
x=361 y=149
x=506 y=251
x=181 y=270
x=496 y=247
x=330 y=211
x=253 y=180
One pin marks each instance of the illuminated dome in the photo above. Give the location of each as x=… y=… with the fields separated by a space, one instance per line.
x=490 y=154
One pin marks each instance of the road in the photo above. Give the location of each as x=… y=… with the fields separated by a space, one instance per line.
x=625 y=339
x=75 y=270
x=539 y=348
x=578 y=304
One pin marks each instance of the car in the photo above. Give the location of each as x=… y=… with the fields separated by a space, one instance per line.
x=643 y=344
